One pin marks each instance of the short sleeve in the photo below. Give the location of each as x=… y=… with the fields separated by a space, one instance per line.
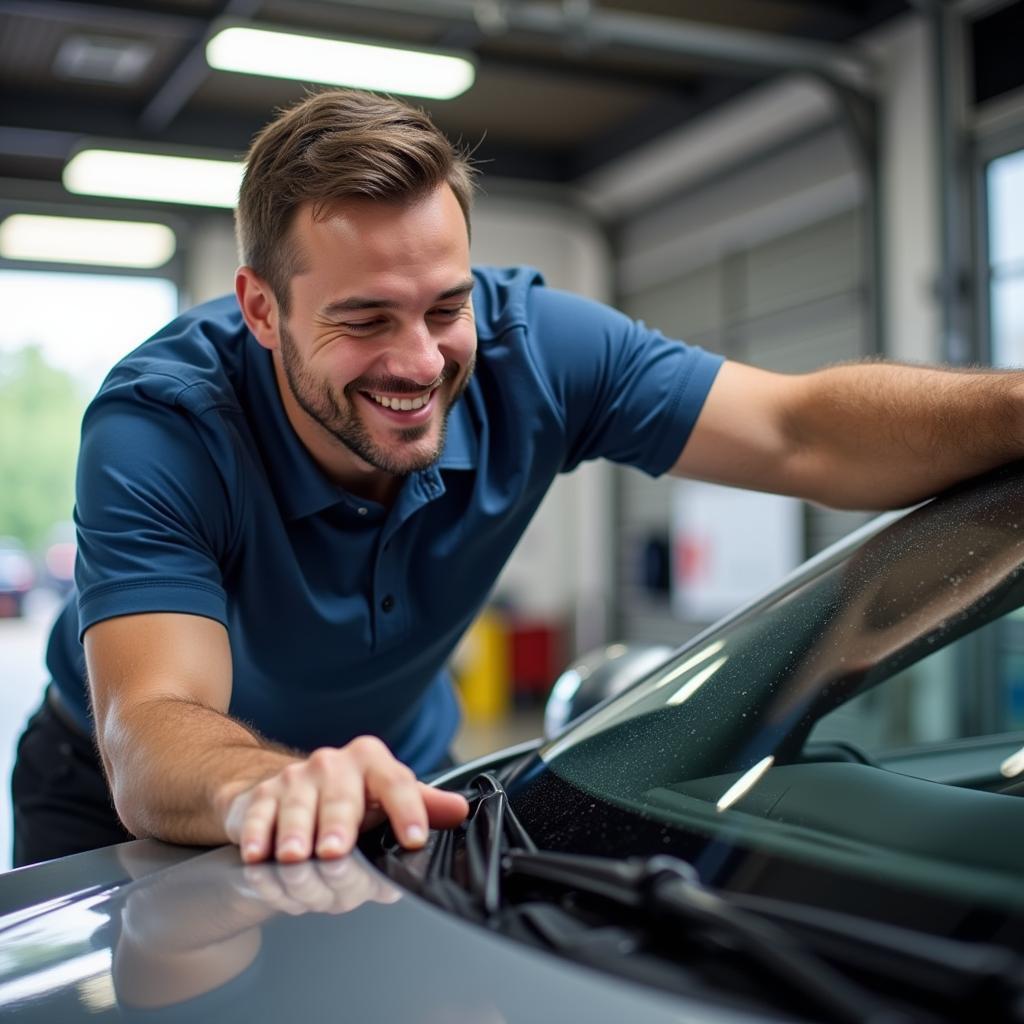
x=152 y=512
x=625 y=392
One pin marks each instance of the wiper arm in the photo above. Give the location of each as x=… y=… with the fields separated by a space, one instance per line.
x=489 y=832
x=499 y=856
x=986 y=978
x=492 y=829
x=668 y=889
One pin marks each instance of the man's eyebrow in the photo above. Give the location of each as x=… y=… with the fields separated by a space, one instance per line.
x=464 y=288
x=357 y=302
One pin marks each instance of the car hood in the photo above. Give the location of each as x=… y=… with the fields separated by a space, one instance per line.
x=166 y=933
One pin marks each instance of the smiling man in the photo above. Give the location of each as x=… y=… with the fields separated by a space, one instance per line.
x=372 y=412
x=292 y=502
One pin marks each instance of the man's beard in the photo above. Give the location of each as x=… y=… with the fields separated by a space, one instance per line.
x=319 y=401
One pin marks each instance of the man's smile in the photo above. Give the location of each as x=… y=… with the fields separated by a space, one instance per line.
x=401 y=403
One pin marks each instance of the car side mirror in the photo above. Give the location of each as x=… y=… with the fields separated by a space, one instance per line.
x=596 y=676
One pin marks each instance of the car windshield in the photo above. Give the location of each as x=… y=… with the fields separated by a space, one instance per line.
x=782 y=727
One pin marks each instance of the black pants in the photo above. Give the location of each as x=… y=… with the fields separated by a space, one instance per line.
x=61 y=801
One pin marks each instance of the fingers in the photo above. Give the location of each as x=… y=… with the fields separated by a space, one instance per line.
x=264 y=881
x=318 y=806
x=444 y=809
x=393 y=785
x=342 y=802
x=253 y=815
x=296 y=813
x=330 y=886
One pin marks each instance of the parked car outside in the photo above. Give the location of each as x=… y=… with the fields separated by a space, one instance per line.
x=58 y=559
x=17 y=577
x=785 y=819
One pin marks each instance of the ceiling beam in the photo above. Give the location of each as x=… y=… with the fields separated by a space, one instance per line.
x=190 y=72
x=52 y=124
x=680 y=84
x=125 y=17
x=663 y=114
x=39 y=130
x=36 y=143
x=588 y=29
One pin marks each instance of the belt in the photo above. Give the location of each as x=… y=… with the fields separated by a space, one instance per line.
x=62 y=712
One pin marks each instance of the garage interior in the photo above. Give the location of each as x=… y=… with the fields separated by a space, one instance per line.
x=789 y=183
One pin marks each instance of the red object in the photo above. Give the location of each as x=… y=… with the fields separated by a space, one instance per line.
x=537 y=653
x=692 y=557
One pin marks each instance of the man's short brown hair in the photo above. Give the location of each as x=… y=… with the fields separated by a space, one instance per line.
x=337 y=145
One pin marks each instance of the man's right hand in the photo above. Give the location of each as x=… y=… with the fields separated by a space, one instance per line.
x=318 y=806
x=182 y=770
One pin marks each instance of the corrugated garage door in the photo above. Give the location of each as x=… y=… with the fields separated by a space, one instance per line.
x=792 y=304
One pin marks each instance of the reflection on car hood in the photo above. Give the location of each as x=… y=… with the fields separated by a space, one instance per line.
x=210 y=939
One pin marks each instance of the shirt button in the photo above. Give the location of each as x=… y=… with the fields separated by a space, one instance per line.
x=362 y=510
x=387 y=604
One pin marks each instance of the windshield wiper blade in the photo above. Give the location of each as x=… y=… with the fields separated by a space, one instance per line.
x=669 y=889
x=986 y=978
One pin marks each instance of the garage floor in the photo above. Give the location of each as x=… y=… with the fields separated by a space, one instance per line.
x=476 y=739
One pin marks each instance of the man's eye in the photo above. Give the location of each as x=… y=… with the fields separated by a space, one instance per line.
x=362 y=325
x=448 y=311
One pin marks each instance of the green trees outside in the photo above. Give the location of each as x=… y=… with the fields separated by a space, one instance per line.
x=40 y=416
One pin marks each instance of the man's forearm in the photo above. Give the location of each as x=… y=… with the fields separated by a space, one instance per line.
x=874 y=435
x=181 y=770
x=175 y=765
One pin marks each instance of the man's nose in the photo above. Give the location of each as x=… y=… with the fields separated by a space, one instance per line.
x=415 y=356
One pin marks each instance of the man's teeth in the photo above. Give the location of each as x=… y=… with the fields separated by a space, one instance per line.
x=402 y=404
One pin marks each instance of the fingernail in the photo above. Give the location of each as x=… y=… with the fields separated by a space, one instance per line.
x=250 y=851
x=289 y=848
x=331 y=845
x=415 y=834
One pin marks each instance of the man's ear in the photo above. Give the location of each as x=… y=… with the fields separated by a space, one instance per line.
x=259 y=307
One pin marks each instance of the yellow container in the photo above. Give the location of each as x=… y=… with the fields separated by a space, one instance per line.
x=482 y=669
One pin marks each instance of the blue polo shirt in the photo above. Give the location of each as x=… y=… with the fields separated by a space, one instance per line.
x=195 y=495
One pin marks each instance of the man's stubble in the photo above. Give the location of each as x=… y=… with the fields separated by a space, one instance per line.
x=319 y=401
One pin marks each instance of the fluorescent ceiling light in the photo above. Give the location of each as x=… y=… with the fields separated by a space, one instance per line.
x=166 y=179
x=107 y=243
x=100 y=59
x=336 y=62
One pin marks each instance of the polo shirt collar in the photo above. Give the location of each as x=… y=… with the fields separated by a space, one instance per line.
x=301 y=487
x=461 y=444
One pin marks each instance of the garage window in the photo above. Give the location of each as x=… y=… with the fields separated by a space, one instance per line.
x=1006 y=258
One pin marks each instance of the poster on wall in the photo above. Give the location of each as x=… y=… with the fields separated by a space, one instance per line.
x=728 y=546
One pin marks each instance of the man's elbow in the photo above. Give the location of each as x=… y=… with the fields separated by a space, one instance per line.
x=122 y=782
x=131 y=812
x=126 y=805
